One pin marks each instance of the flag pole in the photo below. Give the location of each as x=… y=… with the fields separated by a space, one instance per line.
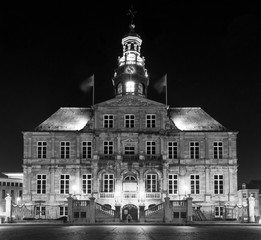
x=166 y=90
x=93 y=91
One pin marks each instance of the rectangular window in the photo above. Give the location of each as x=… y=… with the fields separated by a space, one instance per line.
x=87 y=149
x=219 y=212
x=150 y=120
x=64 y=184
x=8 y=184
x=3 y=194
x=129 y=150
x=173 y=150
x=41 y=149
x=194 y=184
x=41 y=184
x=65 y=149
x=108 y=121
x=12 y=193
x=40 y=211
x=108 y=147
x=63 y=211
x=151 y=183
x=20 y=193
x=4 y=183
x=218 y=184
x=194 y=150
x=173 y=183
x=150 y=148
x=108 y=183
x=129 y=121
x=218 y=150
x=87 y=183
x=12 y=184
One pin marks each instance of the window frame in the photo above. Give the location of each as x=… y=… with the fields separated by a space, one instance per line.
x=41 y=183
x=151 y=121
x=218 y=184
x=41 y=149
x=108 y=182
x=172 y=149
x=151 y=182
x=87 y=183
x=217 y=149
x=108 y=147
x=219 y=211
x=86 y=149
x=108 y=121
x=65 y=149
x=64 y=184
x=195 y=184
x=129 y=122
x=173 y=184
x=150 y=148
x=194 y=150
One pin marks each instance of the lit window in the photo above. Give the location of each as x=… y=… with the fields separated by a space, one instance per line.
x=108 y=147
x=218 y=150
x=41 y=149
x=151 y=183
x=87 y=149
x=173 y=184
x=129 y=120
x=108 y=120
x=108 y=183
x=219 y=212
x=64 y=184
x=194 y=150
x=130 y=87
x=173 y=150
x=41 y=184
x=65 y=149
x=194 y=184
x=87 y=183
x=150 y=120
x=218 y=184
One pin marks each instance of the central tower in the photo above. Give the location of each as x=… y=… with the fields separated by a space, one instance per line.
x=131 y=78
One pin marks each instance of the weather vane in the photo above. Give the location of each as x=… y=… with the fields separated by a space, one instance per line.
x=131 y=13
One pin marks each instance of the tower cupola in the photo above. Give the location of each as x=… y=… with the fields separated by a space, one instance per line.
x=131 y=78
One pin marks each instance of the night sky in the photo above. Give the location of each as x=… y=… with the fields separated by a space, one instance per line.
x=211 y=53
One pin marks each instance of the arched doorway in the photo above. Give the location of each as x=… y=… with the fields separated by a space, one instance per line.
x=129 y=213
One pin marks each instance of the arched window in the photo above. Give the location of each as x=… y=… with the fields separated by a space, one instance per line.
x=119 y=88
x=130 y=87
x=129 y=178
x=140 y=88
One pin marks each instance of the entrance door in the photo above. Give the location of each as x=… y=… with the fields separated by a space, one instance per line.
x=130 y=213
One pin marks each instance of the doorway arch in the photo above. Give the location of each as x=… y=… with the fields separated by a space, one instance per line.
x=130 y=211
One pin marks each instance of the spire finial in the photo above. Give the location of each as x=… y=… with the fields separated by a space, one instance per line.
x=131 y=13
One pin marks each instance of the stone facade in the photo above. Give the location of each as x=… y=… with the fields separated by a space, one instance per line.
x=130 y=151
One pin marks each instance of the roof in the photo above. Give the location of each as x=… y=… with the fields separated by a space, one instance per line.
x=194 y=119
x=66 y=119
x=185 y=119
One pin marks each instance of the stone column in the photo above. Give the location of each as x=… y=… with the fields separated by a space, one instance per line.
x=117 y=216
x=92 y=210
x=142 y=214
x=251 y=209
x=189 y=208
x=168 y=211
x=70 y=208
x=8 y=208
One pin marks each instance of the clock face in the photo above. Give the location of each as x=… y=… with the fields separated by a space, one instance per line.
x=130 y=70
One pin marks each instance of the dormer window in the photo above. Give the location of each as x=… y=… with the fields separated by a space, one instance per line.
x=130 y=87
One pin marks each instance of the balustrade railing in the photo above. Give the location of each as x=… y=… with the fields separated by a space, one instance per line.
x=153 y=195
x=106 y=195
x=105 y=209
x=153 y=209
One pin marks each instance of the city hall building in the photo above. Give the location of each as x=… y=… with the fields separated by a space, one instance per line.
x=130 y=151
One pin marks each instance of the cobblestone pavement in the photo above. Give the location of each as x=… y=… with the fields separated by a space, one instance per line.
x=123 y=232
